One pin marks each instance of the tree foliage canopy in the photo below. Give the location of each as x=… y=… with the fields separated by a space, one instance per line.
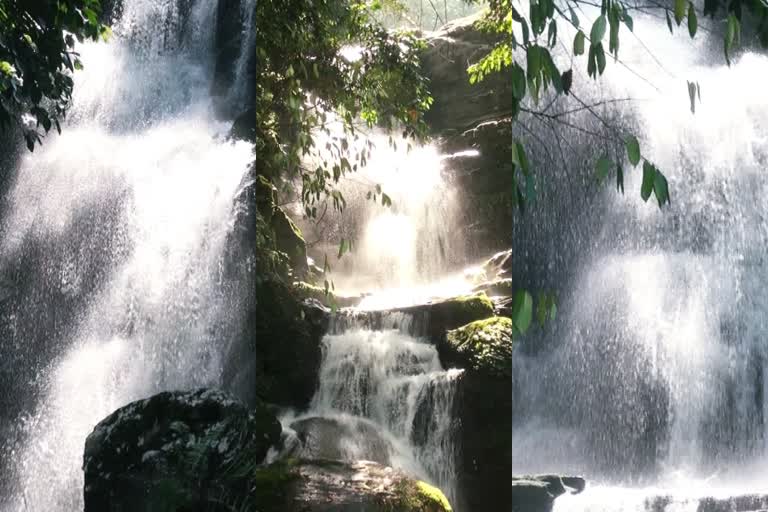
x=38 y=57
x=329 y=67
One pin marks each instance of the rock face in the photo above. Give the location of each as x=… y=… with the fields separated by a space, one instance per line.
x=474 y=125
x=328 y=438
x=277 y=355
x=331 y=486
x=173 y=451
x=431 y=320
x=459 y=104
x=483 y=346
x=537 y=493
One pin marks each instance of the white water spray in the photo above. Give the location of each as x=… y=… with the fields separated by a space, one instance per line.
x=141 y=144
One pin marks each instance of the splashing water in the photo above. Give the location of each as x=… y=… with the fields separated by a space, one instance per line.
x=143 y=158
x=399 y=251
x=657 y=391
x=395 y=381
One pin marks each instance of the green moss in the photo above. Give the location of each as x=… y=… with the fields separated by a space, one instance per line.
x=485 y=345
x=269 y=484
x=432 y=498
x=477 y=303
x=309 y=291
x=418 y=496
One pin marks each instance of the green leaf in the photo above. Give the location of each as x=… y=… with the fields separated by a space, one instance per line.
x=592 y=62
x=533 y=60
x=629 y=22
x=578 y=43
x=598 y=30
x=574 y=18
x=518 y=82
x=680 y=6
x=385 y=200
x=660 y=188
x=620 y=179
x=669 y=23
x=692 y=21
x=692 y=96
x=633 y=149
x=523 y=158
x=530 y=188
x=343 y=247
x=600 y=56
x=602 y=167
x=649 y=174
x=522 y=310
x=552 y=34
x=567 y=80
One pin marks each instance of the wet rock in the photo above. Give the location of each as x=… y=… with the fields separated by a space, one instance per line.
x=347 y=439
x=537 y=493
x=431 y=320
x=329 y=300
x=483 y=346
x=326 y=486
x=290 y=241
x=173 y=451
x=499 y=266
x=228 y=41
x=287 y=334
x=483 y=407
x=244 y=126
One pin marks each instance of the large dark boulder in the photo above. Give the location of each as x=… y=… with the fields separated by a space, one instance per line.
x=537 y=493
x=334 y=486
x=175 y=451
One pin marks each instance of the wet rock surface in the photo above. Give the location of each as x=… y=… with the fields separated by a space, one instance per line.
x=334 y=439
x=326 y=486
x=174 y=451
x=537 y=493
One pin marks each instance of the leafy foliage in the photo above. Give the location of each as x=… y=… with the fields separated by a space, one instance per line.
x=328 y=71
x=38 y=57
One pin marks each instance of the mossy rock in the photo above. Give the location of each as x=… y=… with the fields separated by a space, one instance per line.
x=484 y=346
x=293 y=485
x=497 y=287
x=455 y=312
x=288 y=239
x=174 y=451
x=330 y=299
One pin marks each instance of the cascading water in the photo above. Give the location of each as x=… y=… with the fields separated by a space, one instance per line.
x=652 y=385
x=403 y=251
x=134 y=202
x=395 y=383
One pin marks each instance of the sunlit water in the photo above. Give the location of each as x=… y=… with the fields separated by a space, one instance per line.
x=658 y=387
x=142 y=144
x=395 y=382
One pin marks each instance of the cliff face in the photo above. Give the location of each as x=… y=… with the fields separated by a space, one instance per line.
x=473 y=123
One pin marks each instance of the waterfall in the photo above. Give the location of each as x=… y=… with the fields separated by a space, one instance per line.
x=402 y=251
x=651 y=383
x=395 y=383
x=113 y=243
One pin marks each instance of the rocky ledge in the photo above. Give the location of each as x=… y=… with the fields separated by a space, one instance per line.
x=202 y=450
x=537 y=493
